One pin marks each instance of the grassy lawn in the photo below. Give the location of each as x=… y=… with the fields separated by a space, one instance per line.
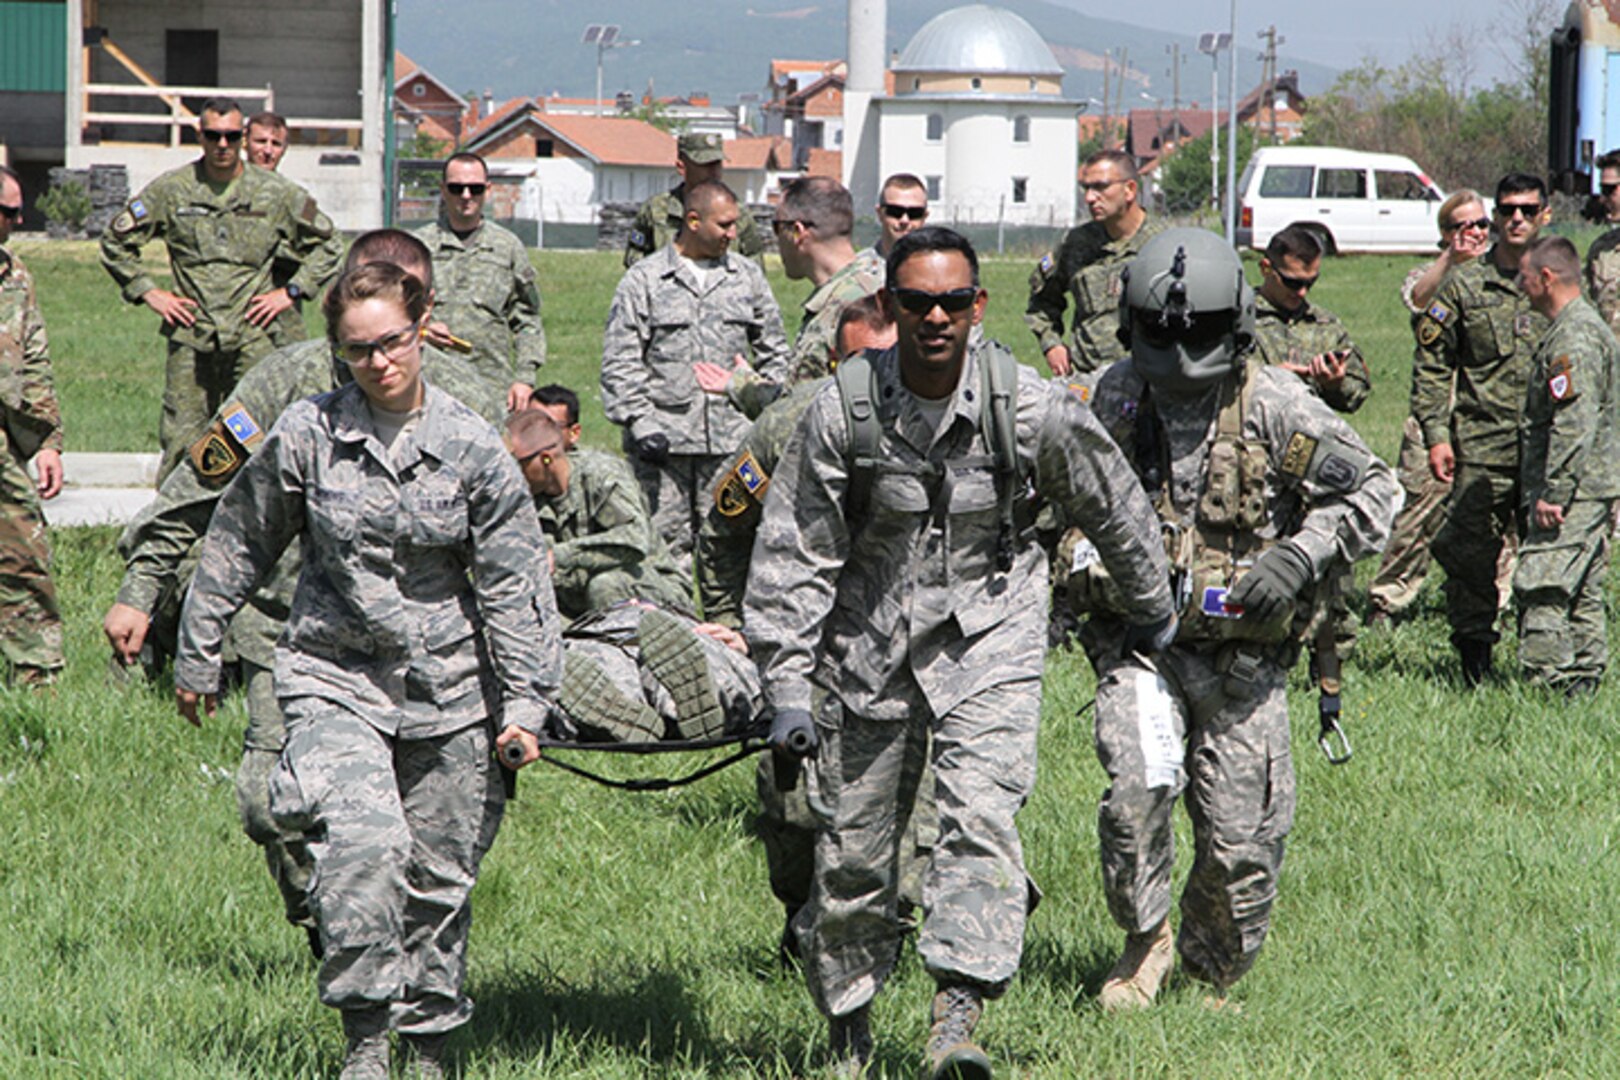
x=1444 y=910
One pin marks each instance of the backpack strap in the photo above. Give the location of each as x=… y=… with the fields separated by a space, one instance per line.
x=857 y=389
x=998 y=382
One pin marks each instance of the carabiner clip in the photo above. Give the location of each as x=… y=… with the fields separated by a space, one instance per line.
x=1331 y=731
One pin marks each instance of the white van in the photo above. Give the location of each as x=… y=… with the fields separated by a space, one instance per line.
x=1353 y=200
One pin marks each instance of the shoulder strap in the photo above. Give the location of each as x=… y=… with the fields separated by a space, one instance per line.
x=857 y=390
x=998 y=379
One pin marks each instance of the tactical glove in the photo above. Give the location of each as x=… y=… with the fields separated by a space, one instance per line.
x=654 y=448
x=1149 y=637
x=793 y=733
x=1278 y=575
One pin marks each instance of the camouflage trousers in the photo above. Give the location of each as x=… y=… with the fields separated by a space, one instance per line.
x=195 y=385
x=677 y=494
x=583 y=592
x=285 y=853
x=1405 y=563
x=31 y=637
x=1188 y=729
x=396 y=828
x=862 y=787
x=1558 y=588
x=1480 y=518
x=787 y=828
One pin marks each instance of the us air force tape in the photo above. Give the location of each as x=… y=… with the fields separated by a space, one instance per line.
x=743 y=487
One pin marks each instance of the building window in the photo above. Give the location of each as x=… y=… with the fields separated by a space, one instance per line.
x=1020 y=129
x=936 y=127
x=419 y=89
x=916 y=83
x=1020 y=189
x=545 y=148
x=933 y=188
x=1033 y=85
x=978 y=83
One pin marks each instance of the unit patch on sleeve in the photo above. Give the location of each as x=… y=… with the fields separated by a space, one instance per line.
x=1432 y=323
x=241 y=424
x=1561 y=381
x=1297 y=455
x=743 y=487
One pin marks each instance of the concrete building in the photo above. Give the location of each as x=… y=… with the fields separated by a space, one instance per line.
x=977 y=110
x=128 y=76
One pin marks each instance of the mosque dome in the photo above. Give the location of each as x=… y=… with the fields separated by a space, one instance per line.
x=979 y=40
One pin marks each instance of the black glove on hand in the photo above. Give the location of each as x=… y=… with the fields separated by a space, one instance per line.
x=793 y=733
x=1278 y=575
x=1149 y=637
x=654 y=448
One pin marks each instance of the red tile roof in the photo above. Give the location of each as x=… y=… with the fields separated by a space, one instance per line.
x=612 y=140
x=765 y=152
x=825 y=163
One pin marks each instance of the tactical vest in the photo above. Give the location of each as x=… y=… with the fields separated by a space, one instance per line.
x=998 y=384
x=1212 y=553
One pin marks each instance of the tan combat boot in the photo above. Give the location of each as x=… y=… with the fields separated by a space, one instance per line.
x=952 y=1054
x=1141 y=971
x=367 y=1032
x=851 y=1039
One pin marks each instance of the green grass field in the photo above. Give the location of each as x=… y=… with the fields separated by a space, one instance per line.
x=1444 y=911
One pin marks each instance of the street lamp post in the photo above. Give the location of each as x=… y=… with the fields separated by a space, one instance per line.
x=604 y=37
x=1211 y=45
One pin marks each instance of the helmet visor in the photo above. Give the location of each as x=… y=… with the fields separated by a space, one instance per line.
x=1196 y=331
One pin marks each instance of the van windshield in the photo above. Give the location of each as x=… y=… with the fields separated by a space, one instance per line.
x=1286 y=182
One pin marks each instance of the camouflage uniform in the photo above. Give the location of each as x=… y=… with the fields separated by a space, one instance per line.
x=1086 y=264
x=32 y=639
x=924 y=647
x=487 y=294
x=1475 y=340
x=661 y=217
x=222 y=249
x=423 y=616
x=663 y=320
x=1603 y=277
x=157 y=544
x=1405 y=562
x=1211 y=716
x=604 y=542
x=1570 y=456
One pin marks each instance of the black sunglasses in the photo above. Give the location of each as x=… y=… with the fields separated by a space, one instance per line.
x=465 y=189
x=10 y=211
x=1476 y=223
x=919 y=302
x=1512 y=210
x=1296 y=284
x=1607 y=189
x=782 y=223
x=915 y=213
x=232 y=136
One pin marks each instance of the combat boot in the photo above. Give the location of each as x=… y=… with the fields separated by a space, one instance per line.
x=951 y=1052
x=367 y=1032
x=601 y=710
x=426 y=1055
x=674 y=654
x=851 y=1040
x=1475 y=655
x=1141 y=970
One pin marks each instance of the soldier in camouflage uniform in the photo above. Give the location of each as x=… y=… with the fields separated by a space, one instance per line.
x=1472 y=368
x=699 y=157
x=1569 y=473
x=604 y=548
x=31 y=642
x=421 y=624
x=157 y=545
x=695 y=300
x=902 y=207
x=225 y=224
x=488 y=297
x=1603 y=257
x=927 y=641
x=813 y=224
x=1087 y=264
x=1251 y=470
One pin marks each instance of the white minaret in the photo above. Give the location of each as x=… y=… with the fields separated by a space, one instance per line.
x=868 y=41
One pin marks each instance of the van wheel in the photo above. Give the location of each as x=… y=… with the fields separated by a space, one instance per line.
x=1322 y=234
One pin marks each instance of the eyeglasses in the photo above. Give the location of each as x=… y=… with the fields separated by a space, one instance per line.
x=11 y=211
x=232 y=136
x=894 y=212
x=782 y=223
x=1513 y=210
x=952 y=301
x=1475 y=223
x=1296 y=284
x=1608 y=188
x=1099 y=185
x=359 y=353
x=465 y=189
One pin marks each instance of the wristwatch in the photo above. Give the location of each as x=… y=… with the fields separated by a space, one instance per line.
x=294 y=293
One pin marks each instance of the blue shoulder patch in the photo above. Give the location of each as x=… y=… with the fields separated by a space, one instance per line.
x=137 y=209
x=1438 y=312
x=241 y=425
